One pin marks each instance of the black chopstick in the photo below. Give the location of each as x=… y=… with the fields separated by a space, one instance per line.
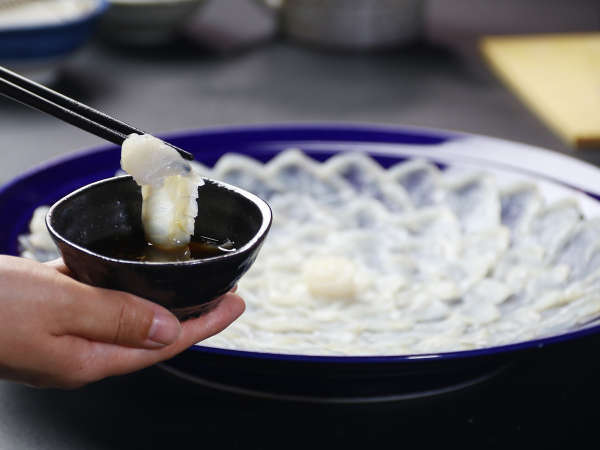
x=40 y=97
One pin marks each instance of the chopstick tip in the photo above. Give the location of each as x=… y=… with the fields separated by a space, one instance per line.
x=185 y=155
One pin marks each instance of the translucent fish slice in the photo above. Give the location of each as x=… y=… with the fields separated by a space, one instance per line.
x=551 y=225
x=367 y=177
x=475 y=201
x=246 y=173
x=519 y=204
x=419 y=178
x=578 y=247
x=296 y=172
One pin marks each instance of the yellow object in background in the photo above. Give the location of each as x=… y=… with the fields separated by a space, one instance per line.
x=558 y=76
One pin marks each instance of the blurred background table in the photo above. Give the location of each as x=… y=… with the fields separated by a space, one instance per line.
x=183 y=87
x=545 y=401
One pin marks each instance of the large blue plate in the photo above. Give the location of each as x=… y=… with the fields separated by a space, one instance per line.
x=325 y=378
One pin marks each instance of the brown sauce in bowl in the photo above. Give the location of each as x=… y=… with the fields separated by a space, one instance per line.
x=137 y=248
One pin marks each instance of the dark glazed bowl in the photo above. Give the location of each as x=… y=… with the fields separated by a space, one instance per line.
x=111 y=208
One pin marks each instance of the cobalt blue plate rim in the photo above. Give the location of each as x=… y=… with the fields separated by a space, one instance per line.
x=325 y=131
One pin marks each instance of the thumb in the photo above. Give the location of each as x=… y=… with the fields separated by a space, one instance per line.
x=118 y=318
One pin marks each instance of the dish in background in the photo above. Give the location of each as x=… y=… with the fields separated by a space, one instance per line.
x=349 y=378
x=357 y=25
x=146 y=22
x=36 y=40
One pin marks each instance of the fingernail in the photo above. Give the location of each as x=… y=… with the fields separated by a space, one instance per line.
x=165 y=329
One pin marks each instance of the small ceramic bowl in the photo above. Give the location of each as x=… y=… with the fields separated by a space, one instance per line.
x=38 y=49
x=112 y=208
x=146 y=22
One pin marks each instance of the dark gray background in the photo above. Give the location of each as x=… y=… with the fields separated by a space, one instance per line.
x=181 y=88
x=443 y=84
x=540 y=402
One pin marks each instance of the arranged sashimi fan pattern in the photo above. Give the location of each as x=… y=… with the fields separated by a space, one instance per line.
x=363 y=260
x=411 y=259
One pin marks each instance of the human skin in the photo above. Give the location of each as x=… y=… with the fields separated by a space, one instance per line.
x=58 y=332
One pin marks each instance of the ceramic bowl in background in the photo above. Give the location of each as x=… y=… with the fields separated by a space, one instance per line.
x=146 y=22
x=112 y=208
x=38 y=47
x=351 y=25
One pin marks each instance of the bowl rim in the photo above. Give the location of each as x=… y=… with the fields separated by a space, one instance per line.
x=259 y=235
x=98 y=10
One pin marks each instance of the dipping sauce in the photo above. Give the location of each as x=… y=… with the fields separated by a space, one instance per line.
x=137 y=248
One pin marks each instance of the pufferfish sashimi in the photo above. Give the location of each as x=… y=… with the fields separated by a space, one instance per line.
x=169 y=189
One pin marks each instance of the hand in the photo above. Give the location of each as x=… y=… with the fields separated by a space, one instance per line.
x=58 y=332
